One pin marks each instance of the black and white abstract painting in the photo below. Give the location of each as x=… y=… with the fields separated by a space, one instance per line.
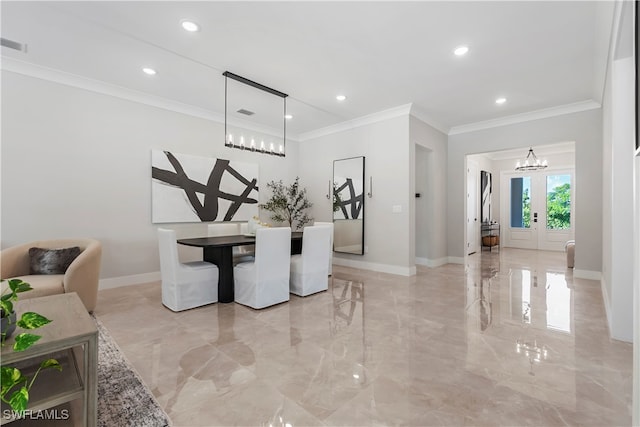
x=187 y=188
x=348 y=196
x=485 y=191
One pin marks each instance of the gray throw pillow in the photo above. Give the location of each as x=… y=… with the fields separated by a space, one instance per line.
x=51 y=261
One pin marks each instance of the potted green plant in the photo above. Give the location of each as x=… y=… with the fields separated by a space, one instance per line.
x=15 y=385
x=288 y=203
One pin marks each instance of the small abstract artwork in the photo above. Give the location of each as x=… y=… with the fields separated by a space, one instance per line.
x=485 y=191
x=187 y=188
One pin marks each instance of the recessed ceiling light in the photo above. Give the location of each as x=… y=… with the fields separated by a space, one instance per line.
x=149 y=71
x=288 y=116
x=341 y=97
x=501 y=101
x=190 y=26
x=461 y=50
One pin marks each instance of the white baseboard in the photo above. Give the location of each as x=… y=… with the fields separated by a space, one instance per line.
x=455 y=260
x=587 y=274
x=136 y=279
x=432 y=263
x=383 y=268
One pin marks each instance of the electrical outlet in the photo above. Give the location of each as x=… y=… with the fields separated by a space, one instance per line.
x=396 y=209
x=366 y=249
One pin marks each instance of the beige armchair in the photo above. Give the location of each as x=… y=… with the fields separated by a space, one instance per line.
x=82 y=275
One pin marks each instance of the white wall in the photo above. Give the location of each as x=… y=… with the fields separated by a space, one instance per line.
x=78 y=163
x=618 y=194
x=385 y=145
x=636 y=304
x=429 y=153
x=584 y=128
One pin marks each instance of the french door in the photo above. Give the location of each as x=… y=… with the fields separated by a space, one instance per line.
x=537 y=209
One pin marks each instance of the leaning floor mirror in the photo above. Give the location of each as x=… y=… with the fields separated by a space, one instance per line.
x=348 y=205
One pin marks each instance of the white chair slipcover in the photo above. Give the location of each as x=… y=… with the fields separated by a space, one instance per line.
x=265 y=281
x=309 y=270
x=246 y=249
x=328 y=224
x=240 y=254
x=184 y=285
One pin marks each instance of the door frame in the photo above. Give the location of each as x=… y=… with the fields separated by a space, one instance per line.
x=535 y=238
x=473 y=240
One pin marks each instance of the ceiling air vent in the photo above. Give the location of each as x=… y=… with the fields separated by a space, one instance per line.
x=245 y=112
x=13 y=45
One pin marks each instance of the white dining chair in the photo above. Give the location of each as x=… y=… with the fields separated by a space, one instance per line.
x=309 y=270
x=246 y=249
x=328 y=224
x=265 y=281
x=231 y=229
x=184 y=285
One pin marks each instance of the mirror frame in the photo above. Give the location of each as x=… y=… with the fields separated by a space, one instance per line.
x=360 y=197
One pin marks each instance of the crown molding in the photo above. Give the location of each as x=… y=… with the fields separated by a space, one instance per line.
x=526 y=117
x=73 y=80
x=62 y=77
x=424 y=117
x=402 y=110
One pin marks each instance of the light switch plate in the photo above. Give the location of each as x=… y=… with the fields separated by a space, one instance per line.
x=396 y=209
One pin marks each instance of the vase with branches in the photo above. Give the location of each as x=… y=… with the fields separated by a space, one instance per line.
x=288 y=203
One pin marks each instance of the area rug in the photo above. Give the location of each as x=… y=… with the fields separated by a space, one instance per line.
x=123 y=398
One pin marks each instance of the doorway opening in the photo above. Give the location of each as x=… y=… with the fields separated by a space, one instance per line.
x=532 y=210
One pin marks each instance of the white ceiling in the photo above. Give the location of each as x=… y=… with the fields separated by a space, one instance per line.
x=380 y=54
x=539 y=150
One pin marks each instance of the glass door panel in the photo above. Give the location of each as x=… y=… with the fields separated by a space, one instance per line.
x=558 y=202
x=520 y=213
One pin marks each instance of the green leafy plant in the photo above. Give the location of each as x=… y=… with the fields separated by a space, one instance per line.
x=15 y=385
x=337 y=199
x=288 y=203
x=559 y=207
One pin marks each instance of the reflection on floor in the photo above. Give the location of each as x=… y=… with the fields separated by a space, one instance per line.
x=509 y=339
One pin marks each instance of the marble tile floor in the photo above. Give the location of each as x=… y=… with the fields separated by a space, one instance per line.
x=510 y=339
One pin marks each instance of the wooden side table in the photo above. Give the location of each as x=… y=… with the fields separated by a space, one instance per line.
x=71 y=335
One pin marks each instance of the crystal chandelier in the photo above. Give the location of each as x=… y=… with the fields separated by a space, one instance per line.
x=531 y=163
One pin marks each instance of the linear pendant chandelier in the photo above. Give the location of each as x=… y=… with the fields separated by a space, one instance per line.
x=531 y=163
x=251 y=117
